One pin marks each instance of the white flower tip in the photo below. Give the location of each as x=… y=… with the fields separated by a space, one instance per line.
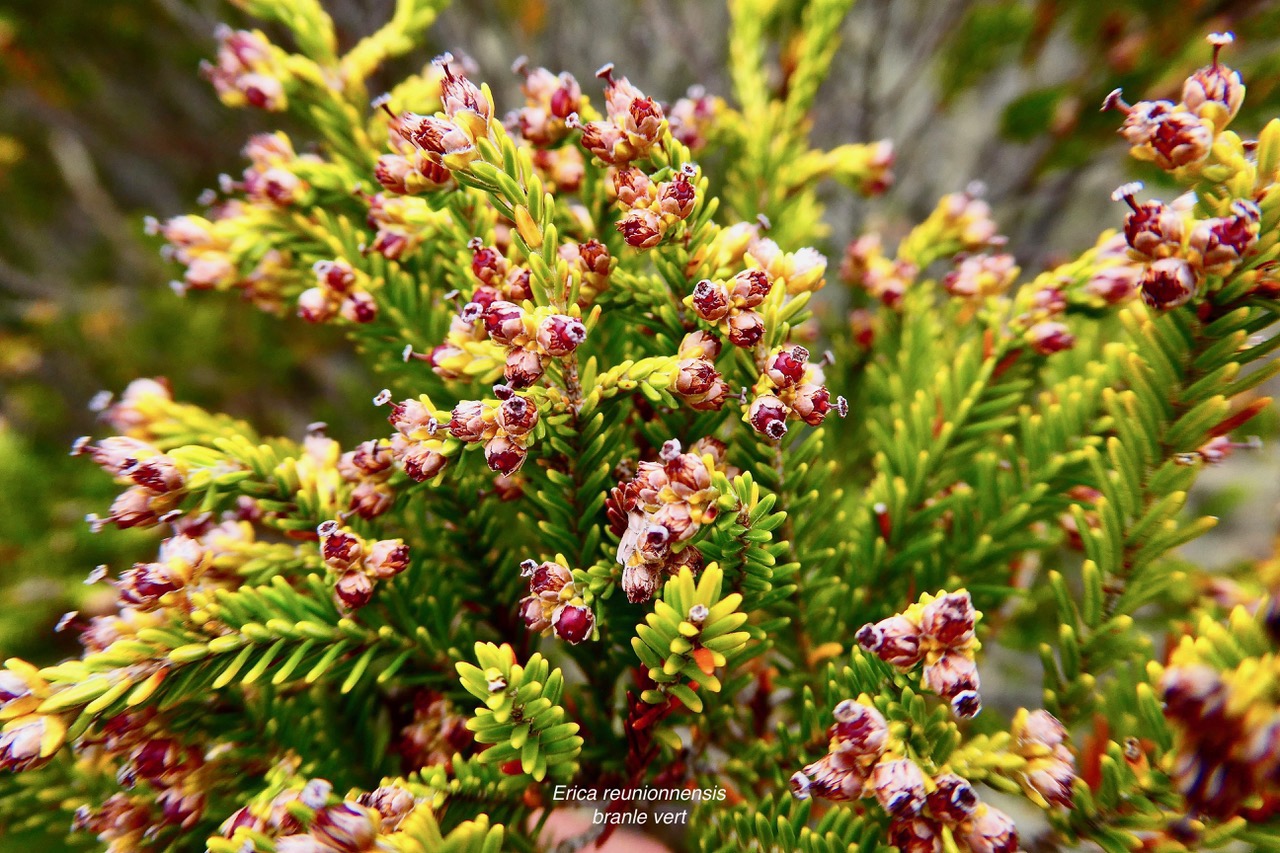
x=1128 y=190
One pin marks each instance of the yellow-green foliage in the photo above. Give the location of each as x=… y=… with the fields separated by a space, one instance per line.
x=630 y=530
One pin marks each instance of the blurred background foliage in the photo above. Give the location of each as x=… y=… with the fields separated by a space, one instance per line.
x=104 y=119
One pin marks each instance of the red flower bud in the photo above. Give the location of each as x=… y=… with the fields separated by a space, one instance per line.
x=420 y=461
x=487 y=264
x=467 y=422
x=750 y=287
x=410 y=416
x=677 y=196
x=573 y=623
x=387 y=558
x=316 y=305
x=517 y=416
x=359 y=307
x=746 y=328
x=812 y=403
x=953 y=799
x=1151 y=229
x=341 y=549
x=504 y=455
x=547 y=578
x=786 y=367
x=138 y=507
x=1168 y=283
x=344 y=827
x=515 y=286
x=368 y=459
x=370 y=499
x=991 y=831
x=145 y=584
x=504 y=321
x=1050 y=337
x=631 y=185
x=859 y=729
x=952 y=674
x=1218 y=245
x=915 y=835
x=710 y=300
x=159 y=474
x=899 y=786
x=1215 y=91
x=700 y=344
x=559 y=335
x=949 y=620
x=695 y=377
x=1114 y=284
x=768 y=415
x=336 y=275
x=533 y=614
x=895 y=640
x=354 y=589
x=641 y=228
x=524 y=367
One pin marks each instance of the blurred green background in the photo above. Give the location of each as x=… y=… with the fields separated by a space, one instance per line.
x=104 y=119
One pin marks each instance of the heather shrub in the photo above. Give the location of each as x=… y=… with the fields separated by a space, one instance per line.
x=674 y=521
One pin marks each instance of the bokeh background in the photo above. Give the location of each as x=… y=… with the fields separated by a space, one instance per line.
x=104 y=119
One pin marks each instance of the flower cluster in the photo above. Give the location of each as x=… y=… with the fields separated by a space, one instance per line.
x=448 y=140
x=181 y=562
x=408 y=168
x=1176 y=136
x=436 y=733
x=659 y=510
x=28 y=739
x=249 y=70
x=416 y=444
x=981 y=275
x=339 y=290
x=272 y=177
x=358 y=563
x=1228 y=725
x=306 y=820
x=204 y=247
x=653 y=209
x=630 y=272
x=368 y=469
x=1178 y=251
x=219 y=250
x=794 y=273
x=859 y=739
x=692 y=117
x=178 y=774
x=400 y=224
x=1050 y=772
x=634 y=123
x=549 y=101
x=730 y=305
x=530 y=338
x=960 y=224
x=1040 y=323
x=791 y=387
x=885 y=279
x=864 y=761
x=555 y=603
x=697 y=380
x=938 y=630
x=504 y=427
x=156 y=480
